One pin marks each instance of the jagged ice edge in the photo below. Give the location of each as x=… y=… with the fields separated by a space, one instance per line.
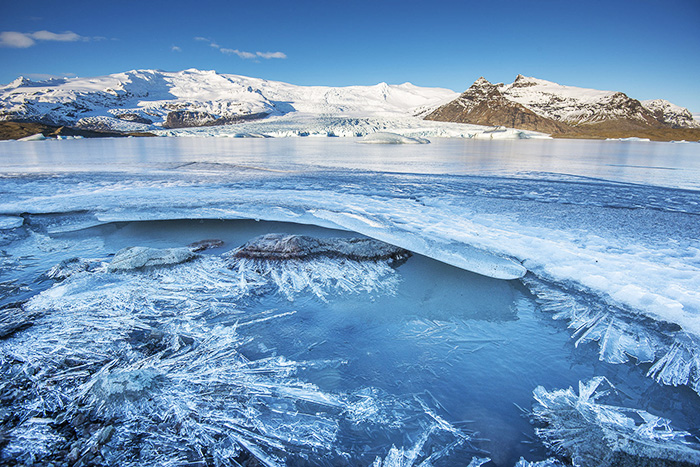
x=621 y=334
x=587 y=431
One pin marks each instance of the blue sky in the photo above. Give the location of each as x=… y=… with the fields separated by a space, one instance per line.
x=645 y=48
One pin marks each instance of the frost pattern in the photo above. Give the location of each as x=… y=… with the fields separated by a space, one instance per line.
x=318 y=276
x=680 y=365
x=416 y=454
x=545 y=463
x=147 y=369
x=622 y=335
x=593 y=434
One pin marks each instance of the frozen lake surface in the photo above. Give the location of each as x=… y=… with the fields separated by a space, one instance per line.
x=538 y=264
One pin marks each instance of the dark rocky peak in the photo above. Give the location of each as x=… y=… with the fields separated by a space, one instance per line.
x=523 y=82
x=480 y=90
x=484 y=104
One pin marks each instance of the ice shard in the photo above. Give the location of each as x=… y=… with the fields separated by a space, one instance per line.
x=592 y=433
x=621 y=334
x=147 y=367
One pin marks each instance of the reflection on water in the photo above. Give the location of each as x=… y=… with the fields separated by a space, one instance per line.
x=608 y=160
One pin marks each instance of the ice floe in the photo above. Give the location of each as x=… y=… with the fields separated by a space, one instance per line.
x=10 y=222
x=143 y=257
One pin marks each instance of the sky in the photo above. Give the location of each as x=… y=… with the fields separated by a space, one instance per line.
x=645 y=48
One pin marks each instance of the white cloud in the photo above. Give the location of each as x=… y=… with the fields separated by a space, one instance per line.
x=67 y=36
x=176 y=49
x=46 y=76
x=14 y=39
x=242 y=53
x=269 y=55
x=22 y=40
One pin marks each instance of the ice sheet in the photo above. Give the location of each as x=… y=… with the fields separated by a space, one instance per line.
x=610 y=244
x=636 y=246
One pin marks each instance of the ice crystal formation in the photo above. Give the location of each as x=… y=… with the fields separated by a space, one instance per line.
x=592 y=433
x=133 y=366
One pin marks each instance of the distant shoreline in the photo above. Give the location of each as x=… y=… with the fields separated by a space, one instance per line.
x=12 y=130
x=15 y=130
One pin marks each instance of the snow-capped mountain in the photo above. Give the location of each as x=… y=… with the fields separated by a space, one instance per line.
x=485 y=104
x=147 y=99
x=507 y=104
x=675 y=115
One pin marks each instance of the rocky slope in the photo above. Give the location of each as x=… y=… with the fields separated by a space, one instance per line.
x=540 y=105
x=484 y=104
x=143 y=100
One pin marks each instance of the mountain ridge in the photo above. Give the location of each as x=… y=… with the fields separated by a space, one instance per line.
x=139 y=101
x=560 y=110
x=143 y=100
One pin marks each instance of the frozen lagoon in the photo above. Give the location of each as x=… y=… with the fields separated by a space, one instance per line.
x=607 y=232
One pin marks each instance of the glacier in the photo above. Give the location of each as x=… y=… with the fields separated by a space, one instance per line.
x=537 y=263
x=205 y=103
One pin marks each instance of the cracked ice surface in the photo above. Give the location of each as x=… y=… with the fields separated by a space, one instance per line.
x=607 y=233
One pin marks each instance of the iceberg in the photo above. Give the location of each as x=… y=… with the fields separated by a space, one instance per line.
x=36 y=137
x=391 y=138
